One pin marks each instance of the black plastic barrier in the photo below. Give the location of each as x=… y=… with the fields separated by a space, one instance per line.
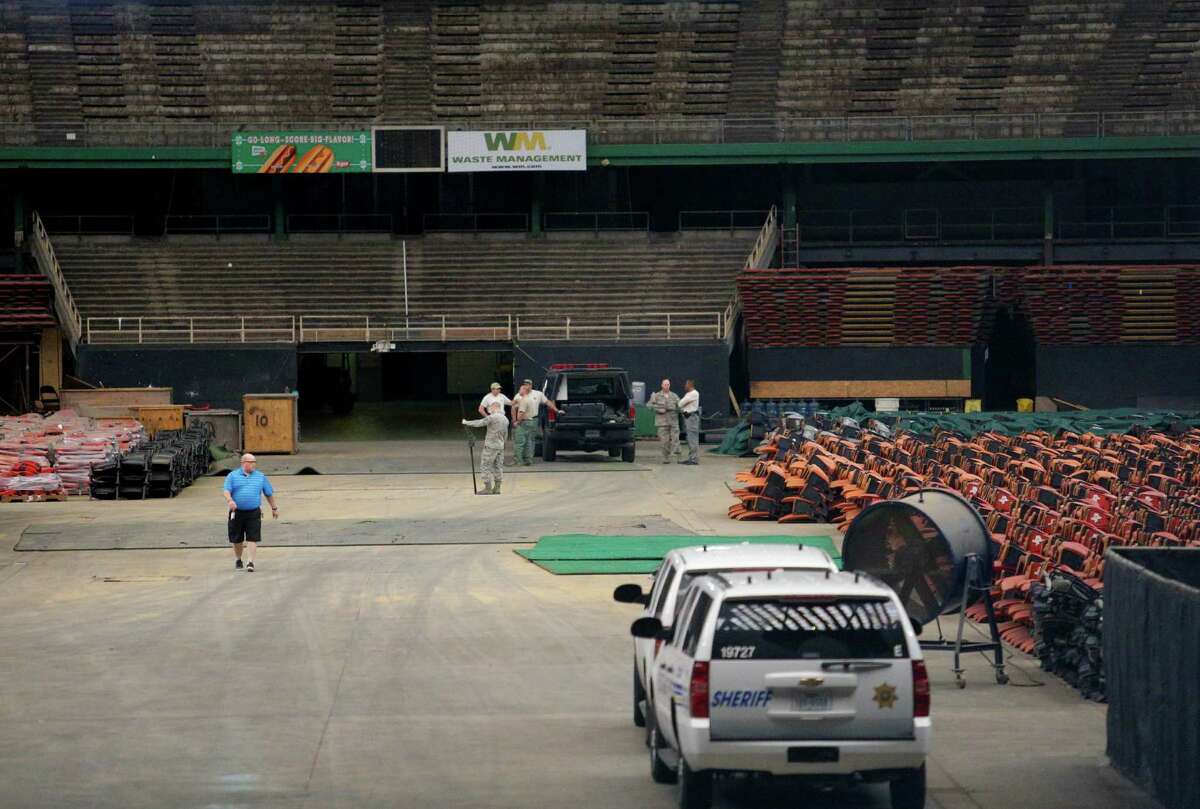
x=1152 y=661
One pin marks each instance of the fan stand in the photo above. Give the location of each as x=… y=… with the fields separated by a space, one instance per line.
x=958 y=646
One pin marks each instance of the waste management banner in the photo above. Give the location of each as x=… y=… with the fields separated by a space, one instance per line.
x=327 y=152
x=516 y=150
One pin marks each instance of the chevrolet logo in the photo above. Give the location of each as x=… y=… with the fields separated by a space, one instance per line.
x=811 y=682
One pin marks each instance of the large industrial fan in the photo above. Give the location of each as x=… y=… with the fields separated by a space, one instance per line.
x=935 y=551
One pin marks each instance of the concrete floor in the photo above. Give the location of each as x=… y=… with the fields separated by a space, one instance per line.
x=414 y=676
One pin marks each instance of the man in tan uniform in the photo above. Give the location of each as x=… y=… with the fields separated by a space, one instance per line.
x=666 y=418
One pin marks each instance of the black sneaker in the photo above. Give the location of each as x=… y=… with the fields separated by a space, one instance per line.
x=249 y=567
x=238 y=564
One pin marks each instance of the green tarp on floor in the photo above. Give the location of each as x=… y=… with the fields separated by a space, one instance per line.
x=568 y=554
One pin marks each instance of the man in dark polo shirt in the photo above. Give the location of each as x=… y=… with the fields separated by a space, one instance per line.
x=244 y=489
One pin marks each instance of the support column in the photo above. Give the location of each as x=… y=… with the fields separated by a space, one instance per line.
x=280 y=228
x=787 y=216
x=18 y=217
x=1048 y=224
x=50 y=358
x=536 y=204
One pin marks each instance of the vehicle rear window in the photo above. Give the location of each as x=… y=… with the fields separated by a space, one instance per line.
x=587 y=387
x=783 y=629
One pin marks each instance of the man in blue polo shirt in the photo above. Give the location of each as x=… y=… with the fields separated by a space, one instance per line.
x=244 y=489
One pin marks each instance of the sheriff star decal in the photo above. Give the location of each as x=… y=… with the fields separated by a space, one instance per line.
x=885 y=696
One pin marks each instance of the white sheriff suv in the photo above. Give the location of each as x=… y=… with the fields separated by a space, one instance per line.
x=789 y=674
x=680 y=568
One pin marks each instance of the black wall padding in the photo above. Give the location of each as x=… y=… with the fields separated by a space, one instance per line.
x=1152 y=661
x=215 y=375
x=1156 y=377
x=851 y=362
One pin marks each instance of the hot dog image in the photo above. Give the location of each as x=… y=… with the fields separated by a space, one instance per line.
x=317 y=160
x=280 y=160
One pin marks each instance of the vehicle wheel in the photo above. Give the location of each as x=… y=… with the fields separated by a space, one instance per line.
x=614 y=452
x=695 y=788
x=548 y=451
x=639 y=694
x=627 y=453
x=660 y=772
x=908 y=791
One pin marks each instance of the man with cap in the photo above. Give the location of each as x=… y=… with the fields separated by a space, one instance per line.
x=244 y=489
x=494 y=395
x=665 y=405
x=491 y=460
x=525 y=411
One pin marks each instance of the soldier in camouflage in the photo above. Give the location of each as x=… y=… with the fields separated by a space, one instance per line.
x=491 y=461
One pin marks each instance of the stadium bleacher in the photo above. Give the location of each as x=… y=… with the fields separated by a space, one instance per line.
x=458 y=61
x=583 y=277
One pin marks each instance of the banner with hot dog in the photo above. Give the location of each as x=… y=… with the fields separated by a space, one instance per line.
x=330 y=152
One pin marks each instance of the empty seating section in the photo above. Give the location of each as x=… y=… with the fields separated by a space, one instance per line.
x=67 y=61
x=863 y=306
x=588 y=279
x=1066 y=305
x=25 y=302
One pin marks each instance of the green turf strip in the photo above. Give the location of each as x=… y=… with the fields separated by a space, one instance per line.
x=568 y=554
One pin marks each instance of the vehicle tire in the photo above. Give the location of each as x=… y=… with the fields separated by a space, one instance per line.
x=627 y=453
x=639 y=694
x=549 y=453
x=908 y=791
x=695 y=788
x=659 y=772
x=614 y=452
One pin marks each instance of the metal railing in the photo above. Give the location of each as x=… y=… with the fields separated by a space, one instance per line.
x=721 y=220
x=218 y=223
x=1149 y=222
x=89 y=224
x=47 y=262
x=752 y=129
x=474 y=222
x=339 y=223
x=190 y=330
x=596 y=221
x=395 y=327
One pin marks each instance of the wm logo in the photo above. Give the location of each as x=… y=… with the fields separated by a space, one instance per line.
x=514 y=141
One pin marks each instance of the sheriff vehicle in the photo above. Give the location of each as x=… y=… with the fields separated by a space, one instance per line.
x=790 y=674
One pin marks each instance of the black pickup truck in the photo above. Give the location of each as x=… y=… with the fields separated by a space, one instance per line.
x=595 y=411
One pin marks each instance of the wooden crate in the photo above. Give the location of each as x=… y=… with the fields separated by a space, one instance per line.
x=227 y=426
x=160 y=417
x=270 y=423
x=112 y=402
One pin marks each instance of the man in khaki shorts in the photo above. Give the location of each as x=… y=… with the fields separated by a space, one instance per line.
x=525 y=410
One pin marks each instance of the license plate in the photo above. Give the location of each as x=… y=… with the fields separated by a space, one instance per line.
x=809 y=755
x=813 y=702
x=591 y=433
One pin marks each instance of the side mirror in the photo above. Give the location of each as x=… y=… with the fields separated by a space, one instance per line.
x=630 y=594
x=918 y=628
x=648 y=628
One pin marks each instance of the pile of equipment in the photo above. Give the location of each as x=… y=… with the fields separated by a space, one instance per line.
x=1068 y=630
x=1053 y=503
x=50 y=457
x=159 y=467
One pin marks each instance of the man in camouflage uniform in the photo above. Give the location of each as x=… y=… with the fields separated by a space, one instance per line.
x=491 y=461
x=666 y=418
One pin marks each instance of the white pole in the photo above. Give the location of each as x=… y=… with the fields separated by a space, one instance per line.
x=404 y=258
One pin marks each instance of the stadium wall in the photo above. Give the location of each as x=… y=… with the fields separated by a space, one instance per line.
x=215 y=375
x=1151 y=376
x=706 y=363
